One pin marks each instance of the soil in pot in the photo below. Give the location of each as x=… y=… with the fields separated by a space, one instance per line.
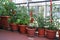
x=22 y=28
x=51 y=34
x=14 y=27
x=41 y=32
x=31 y=31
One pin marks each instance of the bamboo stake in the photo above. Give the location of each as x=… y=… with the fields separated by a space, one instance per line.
x=51 y=11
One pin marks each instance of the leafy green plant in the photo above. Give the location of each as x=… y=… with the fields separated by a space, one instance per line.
x=32 y=25
x=6 y=7
x=55 y=18
x=41 y=21
x=51 y=25
x=13 y=19
x=22 y=16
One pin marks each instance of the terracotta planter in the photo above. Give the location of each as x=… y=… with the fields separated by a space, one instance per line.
x=0 y=24
x=4 y=21
x=41 y=32
x=31 y=31
x=22 y=28
x=59 y=34
x=51 y=34
x=14 y=27
x=46 y=32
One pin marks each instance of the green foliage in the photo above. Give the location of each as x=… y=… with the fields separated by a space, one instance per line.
x=22 y=16
x=13 y=19
x=41 y=21
x=55 y=18
x=32 y=25
x=51 y=25
x=6 y=7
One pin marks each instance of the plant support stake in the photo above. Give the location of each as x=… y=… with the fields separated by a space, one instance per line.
x=28 y=6
x=51 y=11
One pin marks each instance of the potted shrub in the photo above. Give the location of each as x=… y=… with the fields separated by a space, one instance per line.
x=3 y=16
x=5 y=12
x=52 y=28
x=52 y=22
x=22 y=19
x=41 y=24
x=13 y=21
x=59 y=34
x=58 y=24
x=31 y=29
x=51 y=31
x=23 y=23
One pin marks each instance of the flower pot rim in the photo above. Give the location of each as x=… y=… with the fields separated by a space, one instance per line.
x=58 y=30
x=51 y=30
x=12 y=24
x=5 y=16
x=30 y=28
x=22 y=25
x=41 y=28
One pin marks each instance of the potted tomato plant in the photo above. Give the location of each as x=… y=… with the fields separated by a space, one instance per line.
x=59 y=34
x=58 y=24
x=41 y=24
x=13 y=21
x=23 y=23
x=31 y=29
x=6 y=7
x=52 y=28
x=22 y=19
x=51 y=31
x=3 y=16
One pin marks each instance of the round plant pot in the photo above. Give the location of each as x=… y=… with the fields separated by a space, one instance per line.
x=13 y=27
x=46 y=32
x=0 y=24
x=4 y=21
x=31 y=31
x=51 y=34
x=41 y=32
x=59 y=34
x=22 y=28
